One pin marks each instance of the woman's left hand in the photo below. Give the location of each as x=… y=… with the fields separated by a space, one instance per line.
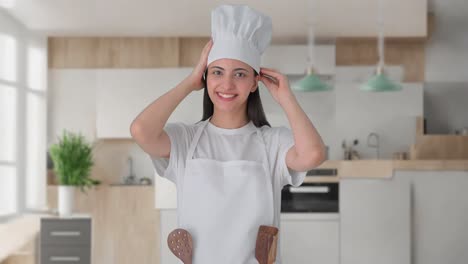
x=277 y=83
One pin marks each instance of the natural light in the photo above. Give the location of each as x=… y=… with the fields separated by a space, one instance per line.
x=35 y=146
x=8 y=190
x=7 y=3
x=36 y=69
x=8 y=124
x=8 y=49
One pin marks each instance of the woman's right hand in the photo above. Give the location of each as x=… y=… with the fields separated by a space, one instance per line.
x=196 y=77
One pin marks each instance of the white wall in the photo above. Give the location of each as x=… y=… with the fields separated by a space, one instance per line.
x=72 y=103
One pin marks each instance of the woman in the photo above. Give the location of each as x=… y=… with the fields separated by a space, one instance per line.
x=230 y=167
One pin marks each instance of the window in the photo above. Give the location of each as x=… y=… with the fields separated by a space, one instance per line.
x=23 y=82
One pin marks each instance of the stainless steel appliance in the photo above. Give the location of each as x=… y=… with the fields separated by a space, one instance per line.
x=317 y=197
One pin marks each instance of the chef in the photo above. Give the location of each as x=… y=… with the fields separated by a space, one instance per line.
x=229 y=168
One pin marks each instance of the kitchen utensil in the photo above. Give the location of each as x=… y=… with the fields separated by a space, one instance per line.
x=265 y=247
x=145 y=181
x=373 y=137
x=181 y=245
x=464 y=131
x=400 y=156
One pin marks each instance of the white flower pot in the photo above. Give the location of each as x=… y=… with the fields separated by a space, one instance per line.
x=66 y=200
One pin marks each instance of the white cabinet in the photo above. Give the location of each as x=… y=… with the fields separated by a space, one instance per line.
x=375 y=221
x=309 y=238
x=168 y=223
x=439 y=215
x=124 y=93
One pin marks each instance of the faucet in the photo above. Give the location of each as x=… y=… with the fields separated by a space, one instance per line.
x=375 y=145
x=130 y=179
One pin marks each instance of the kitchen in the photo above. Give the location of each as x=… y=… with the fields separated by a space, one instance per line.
x=391 y=189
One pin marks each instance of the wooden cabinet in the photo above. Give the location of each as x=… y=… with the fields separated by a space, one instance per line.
x=125 y=224
x=123 y=94
x=375 y=221
x=309 y=238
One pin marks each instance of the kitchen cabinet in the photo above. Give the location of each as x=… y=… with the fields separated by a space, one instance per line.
x=439 y=215
x=124 y=93
x=309 y=238
x=168 y=222
x=65 y=240
x=375 y=221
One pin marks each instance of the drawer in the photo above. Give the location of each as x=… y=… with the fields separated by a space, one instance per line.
x=66 y=231
x=65 y=254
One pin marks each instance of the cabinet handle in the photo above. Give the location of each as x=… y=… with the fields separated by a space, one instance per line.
x=64 y=258
x=309 y=189
x=65 y=233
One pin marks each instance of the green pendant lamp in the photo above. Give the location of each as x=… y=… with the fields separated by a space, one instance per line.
x=380 y=82
x=311 y=82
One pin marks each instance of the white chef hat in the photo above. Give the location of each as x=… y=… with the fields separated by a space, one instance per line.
x=239 y=32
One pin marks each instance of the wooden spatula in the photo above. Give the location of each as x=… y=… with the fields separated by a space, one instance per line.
x=181 y=245
x=265 y=248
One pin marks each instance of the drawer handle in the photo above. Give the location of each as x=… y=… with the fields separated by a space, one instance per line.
x=60 y=258
x=65 y=233
x=310 y=189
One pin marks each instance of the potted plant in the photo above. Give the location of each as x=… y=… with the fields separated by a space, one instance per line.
x=72 y=158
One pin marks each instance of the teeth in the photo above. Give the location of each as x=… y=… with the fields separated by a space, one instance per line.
x=226 y=95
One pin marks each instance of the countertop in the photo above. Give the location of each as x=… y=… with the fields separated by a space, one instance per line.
x=383 y=168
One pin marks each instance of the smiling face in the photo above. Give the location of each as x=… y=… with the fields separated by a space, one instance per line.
x=229 y=83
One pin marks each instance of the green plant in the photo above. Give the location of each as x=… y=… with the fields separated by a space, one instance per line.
x=72 y=158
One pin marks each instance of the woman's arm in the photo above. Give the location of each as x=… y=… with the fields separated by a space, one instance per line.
x=309 y=150
x=148 y=127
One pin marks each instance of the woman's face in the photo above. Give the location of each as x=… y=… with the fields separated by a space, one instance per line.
x=229 y=83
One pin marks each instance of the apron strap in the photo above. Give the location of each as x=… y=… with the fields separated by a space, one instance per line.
x=194 y=143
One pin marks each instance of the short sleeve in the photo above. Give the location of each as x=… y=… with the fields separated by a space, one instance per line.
x=287 y=175
x=180 y=135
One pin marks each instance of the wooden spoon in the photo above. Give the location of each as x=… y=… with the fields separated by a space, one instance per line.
x=265 y=248
x=181 y=245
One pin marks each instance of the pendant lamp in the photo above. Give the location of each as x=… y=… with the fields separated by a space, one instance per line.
x=311 y=82
x=379 y=82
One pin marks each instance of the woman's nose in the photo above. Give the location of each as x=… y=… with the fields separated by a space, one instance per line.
x=229 y=83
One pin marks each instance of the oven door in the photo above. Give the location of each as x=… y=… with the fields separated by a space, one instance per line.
x=310 y=198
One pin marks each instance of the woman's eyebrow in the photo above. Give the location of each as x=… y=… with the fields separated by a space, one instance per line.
x=236 y=69
x=217 y=67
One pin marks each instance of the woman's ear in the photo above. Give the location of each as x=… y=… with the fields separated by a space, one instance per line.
x=256 y=80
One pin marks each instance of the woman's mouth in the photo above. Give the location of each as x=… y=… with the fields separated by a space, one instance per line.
x=226 y=97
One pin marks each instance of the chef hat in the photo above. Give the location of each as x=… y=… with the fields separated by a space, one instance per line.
x=239 y=32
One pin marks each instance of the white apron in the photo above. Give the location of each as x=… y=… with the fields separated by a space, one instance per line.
x=223 y=203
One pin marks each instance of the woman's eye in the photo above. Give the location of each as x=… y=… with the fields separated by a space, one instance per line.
x=240 y=74
x=217 y=72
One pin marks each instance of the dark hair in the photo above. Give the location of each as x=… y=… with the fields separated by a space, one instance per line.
x=255 y=111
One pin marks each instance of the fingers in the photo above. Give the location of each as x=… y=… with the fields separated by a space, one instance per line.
x=207 y=47
x=272 y=73
x=204 y=55
x=266 y=79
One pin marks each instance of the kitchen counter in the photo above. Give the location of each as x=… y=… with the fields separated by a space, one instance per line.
x=383 y=168
x=125 y=222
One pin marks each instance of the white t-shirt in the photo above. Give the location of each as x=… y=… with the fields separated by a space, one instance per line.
x=232 y=144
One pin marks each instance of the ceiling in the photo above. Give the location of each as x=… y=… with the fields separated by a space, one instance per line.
x=353 y=18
